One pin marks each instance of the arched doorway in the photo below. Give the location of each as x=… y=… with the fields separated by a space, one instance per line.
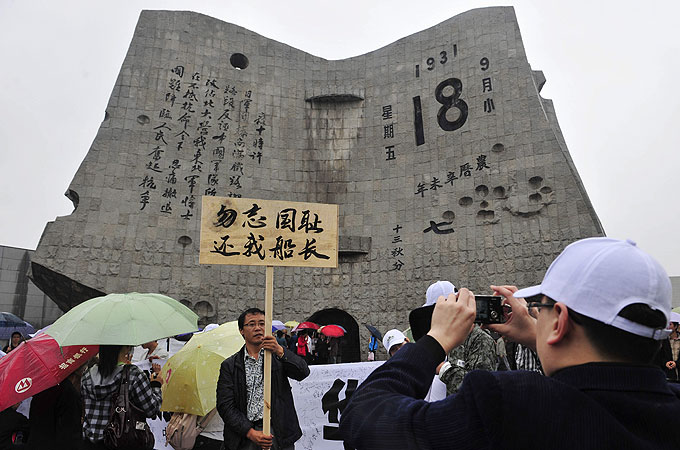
x=349 y=344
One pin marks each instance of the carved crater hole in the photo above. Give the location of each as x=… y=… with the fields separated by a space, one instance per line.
x=465 y=201
x=448 y=215
x=239 y=61
x=498 y=148
x=203 y=309
x=535 y=182
x=143 y=119
x=485 y=215
x=499 y=192
x=185 y=302
x=535 y=198
x=482 y=190
x=184 y=241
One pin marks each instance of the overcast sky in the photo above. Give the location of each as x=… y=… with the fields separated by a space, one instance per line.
x=611 y=66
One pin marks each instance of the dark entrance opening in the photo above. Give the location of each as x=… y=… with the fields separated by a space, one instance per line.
x=349 y=345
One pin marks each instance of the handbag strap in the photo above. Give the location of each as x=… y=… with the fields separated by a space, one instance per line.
x=123 y=387
x=205 y=419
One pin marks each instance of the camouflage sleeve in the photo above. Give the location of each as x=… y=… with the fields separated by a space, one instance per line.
x=477 y=352
x=482 y=352
x=453 y=377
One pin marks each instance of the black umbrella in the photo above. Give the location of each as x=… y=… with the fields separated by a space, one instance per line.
x=374 y=331
x=9 y=323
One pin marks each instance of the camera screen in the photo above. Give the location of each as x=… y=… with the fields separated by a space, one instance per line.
x=489 y=309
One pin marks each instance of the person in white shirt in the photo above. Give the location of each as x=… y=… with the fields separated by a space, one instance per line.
x=154 y=351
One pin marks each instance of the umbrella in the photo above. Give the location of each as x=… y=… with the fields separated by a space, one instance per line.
x=191 y=374
x=9 y=323
x=374 y=332
x=291 y=324
x=123 y=319
x=38 y=364
x=277 y=325
x=332 y=330
x=306 y=326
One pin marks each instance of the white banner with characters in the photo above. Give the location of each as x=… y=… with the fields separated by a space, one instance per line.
x=321 y=397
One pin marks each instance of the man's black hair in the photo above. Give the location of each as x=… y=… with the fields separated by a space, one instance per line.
x=618 y=344
x=242 y=317
x=17 y=332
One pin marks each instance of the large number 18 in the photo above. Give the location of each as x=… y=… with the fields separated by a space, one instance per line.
x=448 y=102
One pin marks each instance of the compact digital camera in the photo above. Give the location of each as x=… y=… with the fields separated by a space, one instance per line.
x=489 y=310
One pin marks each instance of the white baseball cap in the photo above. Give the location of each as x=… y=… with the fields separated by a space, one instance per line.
x=437 y=289
x=392 y=338
x=675 y=317
x=598 y=277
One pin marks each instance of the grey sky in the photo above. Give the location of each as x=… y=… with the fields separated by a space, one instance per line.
x=611 y=68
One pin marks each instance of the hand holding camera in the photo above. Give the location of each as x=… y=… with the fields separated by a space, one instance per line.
x=519 y=326
x=453 y=319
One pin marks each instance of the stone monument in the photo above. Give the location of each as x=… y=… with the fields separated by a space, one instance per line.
x=445 y=161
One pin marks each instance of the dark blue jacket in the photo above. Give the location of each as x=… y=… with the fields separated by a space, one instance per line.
x=590 y=406
x=232 y=398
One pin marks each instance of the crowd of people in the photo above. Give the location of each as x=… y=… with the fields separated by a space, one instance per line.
x=314 y=347
x=573 y=365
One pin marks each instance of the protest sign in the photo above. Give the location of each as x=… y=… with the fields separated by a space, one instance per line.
x=244 y=231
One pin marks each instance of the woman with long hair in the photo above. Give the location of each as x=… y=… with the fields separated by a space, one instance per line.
x=102 y=381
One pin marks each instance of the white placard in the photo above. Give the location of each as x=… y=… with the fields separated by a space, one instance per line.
x=157 y=424
x=319 y=389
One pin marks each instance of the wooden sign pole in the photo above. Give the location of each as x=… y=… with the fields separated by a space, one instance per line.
x=268 y=313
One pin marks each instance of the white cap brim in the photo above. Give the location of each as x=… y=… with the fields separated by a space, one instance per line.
x=528 y=292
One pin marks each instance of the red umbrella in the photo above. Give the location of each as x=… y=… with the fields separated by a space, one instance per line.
x=307 y=326
x=36 y=365
x=332 y=331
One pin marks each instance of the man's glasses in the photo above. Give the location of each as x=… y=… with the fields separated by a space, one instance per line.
x=533 y=307
x=254 y=324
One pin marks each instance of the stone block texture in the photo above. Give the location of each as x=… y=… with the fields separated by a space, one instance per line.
x=18 y=294
x=445 y=161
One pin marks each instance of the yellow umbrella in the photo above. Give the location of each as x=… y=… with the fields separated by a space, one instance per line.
x=291 y=324
x=191 y=374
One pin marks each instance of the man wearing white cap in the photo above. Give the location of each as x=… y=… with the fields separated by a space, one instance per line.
x=596 y=322
x=477 y=352
x=393 y=341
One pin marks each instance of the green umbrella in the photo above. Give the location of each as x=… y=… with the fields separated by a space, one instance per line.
x=123 y=319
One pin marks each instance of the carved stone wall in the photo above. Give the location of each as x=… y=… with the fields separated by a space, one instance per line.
x=445 y=162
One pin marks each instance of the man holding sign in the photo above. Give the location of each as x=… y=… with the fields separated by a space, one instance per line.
x=240 y=389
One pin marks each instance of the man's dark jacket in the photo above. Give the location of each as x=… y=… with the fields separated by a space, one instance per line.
x=588 y=406
x=232 y=398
